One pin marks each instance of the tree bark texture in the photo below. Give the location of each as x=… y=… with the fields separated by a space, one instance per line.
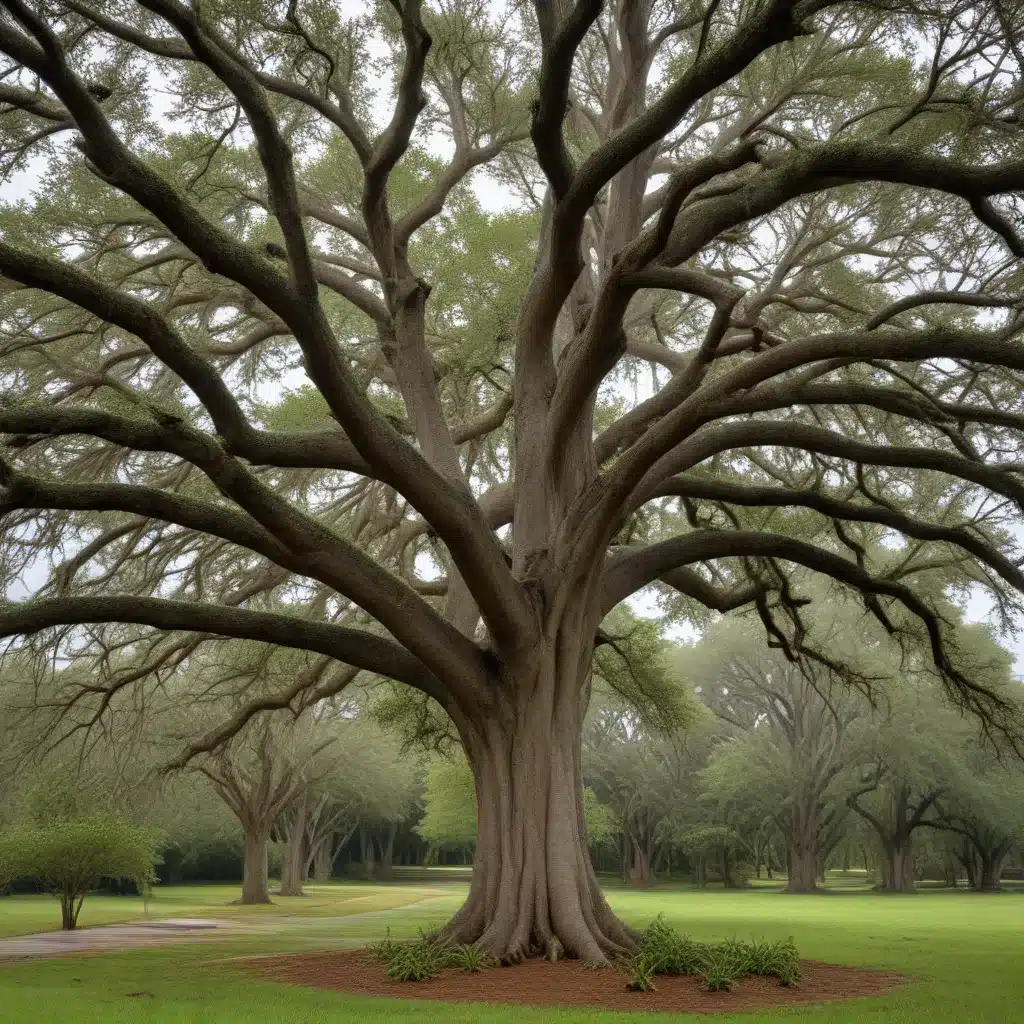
x=534 y=890
x=255 y=883
x=293 y=861
x=802 y=848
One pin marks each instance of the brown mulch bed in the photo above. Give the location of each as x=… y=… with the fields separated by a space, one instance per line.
x=570 y=983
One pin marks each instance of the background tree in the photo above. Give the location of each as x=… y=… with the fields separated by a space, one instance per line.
x=789 y=724
x=807 y=236
x=69 y=847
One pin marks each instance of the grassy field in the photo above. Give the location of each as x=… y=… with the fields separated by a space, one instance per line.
x=964 y=950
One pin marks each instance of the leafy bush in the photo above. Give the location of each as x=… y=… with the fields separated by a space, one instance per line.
x=641 y=973
x=774 y=960
x=69 y=858
x=414 y=961
x=426 y=957
x=665 y=951
x=469 y=959
x=719 y=970
x=386 y=949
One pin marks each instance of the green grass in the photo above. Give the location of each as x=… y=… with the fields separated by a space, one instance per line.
x=964 y=950
x=24 y=915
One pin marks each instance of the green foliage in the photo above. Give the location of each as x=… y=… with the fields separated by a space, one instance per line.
x=668 y=952
x=386 y=949
x=641 y=973
x=665 y=951
x=633 y=664
x=602 y=822
x=71 y=857
x=774 y=960
x=719 y=970
x=449 y=802
x=414 y=962
x=469 y=959
x=426 y=957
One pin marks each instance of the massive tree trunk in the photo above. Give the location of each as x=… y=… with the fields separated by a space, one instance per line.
x=255 y=887
x=534 y=890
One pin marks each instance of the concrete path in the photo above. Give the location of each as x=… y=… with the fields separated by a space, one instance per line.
x=116 y=936
x=180 y=929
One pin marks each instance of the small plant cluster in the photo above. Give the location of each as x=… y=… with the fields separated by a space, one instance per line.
x=665 y=951
x=426 y=957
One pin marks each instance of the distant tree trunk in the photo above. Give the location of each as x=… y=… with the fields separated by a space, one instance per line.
x=640 y=867
x=949 y=872
x=992 y=861
x=387 y=849
x=70 y=907
x=898 y=865
x=366 y=853
x=968 y=859
x=728 y=878
x=255 y=888
x=322 y=860
x=802 y=852
x=294 y=861
x=896 y=834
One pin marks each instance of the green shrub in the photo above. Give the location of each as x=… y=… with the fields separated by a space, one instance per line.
x=664 y=951
x=385 y=950
x=469 y=959
x=774 y=960
x=719 y=971
x=641 y=973
x=667 y=952
x=71 y=857
x=415 y=961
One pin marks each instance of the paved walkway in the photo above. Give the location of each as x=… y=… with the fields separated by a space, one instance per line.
x=117 y=936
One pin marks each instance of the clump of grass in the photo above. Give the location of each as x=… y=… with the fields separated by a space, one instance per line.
x=469 y=959
x=668 y=952
x=414 y=961
x=719 y=971
x=384 y=950
x=641 y=974
x=426 y=957
x=665 y=951
x=774 y=960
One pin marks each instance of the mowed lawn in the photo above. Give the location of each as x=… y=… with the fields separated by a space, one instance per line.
x=965 y=952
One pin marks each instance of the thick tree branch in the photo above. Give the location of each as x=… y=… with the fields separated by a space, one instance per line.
x=356 y=647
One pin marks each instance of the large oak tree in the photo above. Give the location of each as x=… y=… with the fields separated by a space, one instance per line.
x=800 y=218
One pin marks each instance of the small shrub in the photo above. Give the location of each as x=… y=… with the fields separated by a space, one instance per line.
x=414 y=962
x=469 y=959
x=774 y=960
x=385 y=950
x=641 y=973
x=664 y=951
x=667 y=952
x=720 y=970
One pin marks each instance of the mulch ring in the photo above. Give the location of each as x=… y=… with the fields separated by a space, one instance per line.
x=570 y=983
